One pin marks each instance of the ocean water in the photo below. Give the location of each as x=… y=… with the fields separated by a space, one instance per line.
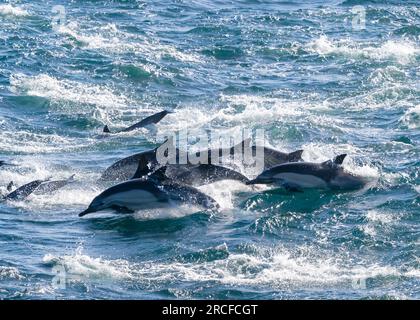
x=330 y=77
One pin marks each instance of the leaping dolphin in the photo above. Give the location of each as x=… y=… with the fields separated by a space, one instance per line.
x=153 y=119
x=24 y=191
x=301 y=175
x=157 y=191
x=36 y=187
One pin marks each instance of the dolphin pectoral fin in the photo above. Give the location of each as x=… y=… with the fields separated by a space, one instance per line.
x=295 y=156
x=106 y=129
x=339 y=159
x=122 y=209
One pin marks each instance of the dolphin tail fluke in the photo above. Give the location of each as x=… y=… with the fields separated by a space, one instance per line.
x=106 y=129
x=295 y=156
x=158 y=116
x=339 y=159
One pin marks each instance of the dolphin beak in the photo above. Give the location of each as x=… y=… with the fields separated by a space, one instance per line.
x=88 y=210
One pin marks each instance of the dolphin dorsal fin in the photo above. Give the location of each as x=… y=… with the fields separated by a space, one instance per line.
x=159 y=174
x=142 y=168
x=10 y=186
x=295 y=156
x=340 y=158
x=106 y=129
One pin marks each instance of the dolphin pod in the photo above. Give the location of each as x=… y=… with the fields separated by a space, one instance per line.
x=144 y=182
x=143 y=163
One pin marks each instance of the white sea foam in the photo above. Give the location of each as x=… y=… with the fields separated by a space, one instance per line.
x=278 y=268
x=17 y=141
x=81 y=266
x=10 y=273
x=402 y=51
x=46 y=86
x=9 y=10
x=110 y=39
x=411 y=117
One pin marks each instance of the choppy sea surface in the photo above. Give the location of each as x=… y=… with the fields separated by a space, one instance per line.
x=307 y=72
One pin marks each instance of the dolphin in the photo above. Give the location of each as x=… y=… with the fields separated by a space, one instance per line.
x=296 y=176
x=155 y=191
x=153 y=119
x=24 y=191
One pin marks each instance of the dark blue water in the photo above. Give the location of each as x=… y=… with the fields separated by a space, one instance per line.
x=300 y=70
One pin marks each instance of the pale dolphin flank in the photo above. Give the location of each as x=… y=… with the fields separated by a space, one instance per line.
x=271 y=156
x=153 y=119
x=24 y=191
x=301 y=175
x=198 y=175
x=52 y=186
x=155 y=192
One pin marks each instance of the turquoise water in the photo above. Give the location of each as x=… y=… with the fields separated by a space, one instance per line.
x=300 y=70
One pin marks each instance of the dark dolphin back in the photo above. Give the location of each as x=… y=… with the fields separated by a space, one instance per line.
x=153 y=119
